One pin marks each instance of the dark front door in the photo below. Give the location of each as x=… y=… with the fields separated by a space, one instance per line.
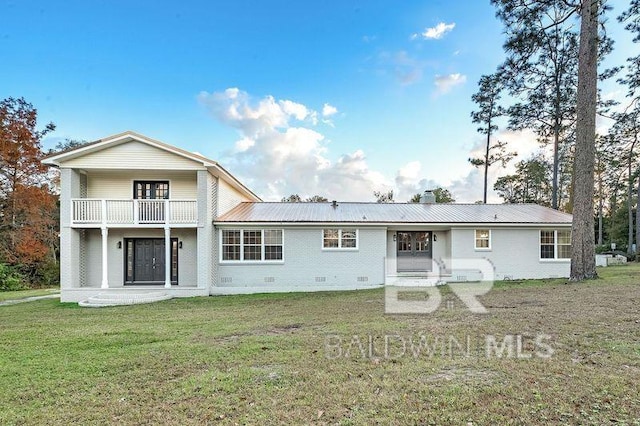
x=145 y=261
x=414 y=251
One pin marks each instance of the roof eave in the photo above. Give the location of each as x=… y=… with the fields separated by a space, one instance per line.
x=387 y=224
x=57 y=159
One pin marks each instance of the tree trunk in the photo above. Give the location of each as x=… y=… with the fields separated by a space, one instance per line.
x=630 y=210
x=600 y=205
x=638 y=220
x=556 y=161
x=486 y=165
x=583 y=262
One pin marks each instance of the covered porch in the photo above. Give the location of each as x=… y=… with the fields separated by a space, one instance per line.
x=418 y=255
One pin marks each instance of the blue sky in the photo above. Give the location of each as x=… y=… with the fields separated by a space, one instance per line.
x=337 y=98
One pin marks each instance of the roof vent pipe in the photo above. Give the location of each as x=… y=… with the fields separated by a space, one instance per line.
x=334 y=204
x=428 y=197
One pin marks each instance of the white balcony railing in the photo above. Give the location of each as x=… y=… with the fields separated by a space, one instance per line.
x=94 y=212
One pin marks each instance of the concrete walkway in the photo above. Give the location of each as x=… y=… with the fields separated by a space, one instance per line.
x=30 y=299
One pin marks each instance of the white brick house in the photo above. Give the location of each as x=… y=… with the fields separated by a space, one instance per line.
x=138 y=213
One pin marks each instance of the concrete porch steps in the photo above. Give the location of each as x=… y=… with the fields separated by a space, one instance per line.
x=122 y=298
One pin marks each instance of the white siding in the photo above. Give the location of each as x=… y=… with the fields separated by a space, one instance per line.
x=515 y=253
x=133 y=155
x=187 y=256
x=307 y=267
x=109 y=184
x=228 y=197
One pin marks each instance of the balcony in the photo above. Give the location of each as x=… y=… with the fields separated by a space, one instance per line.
x=96 y=213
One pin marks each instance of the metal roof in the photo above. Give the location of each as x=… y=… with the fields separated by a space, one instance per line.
x=370 y=213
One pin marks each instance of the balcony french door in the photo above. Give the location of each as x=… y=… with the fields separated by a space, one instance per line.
x=151 y=208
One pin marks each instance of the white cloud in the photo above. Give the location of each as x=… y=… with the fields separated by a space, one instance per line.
x=296 y=110
x=435 y=33
x=409 y=181
x=329 y=110
x=278 y=153
x=444 y=83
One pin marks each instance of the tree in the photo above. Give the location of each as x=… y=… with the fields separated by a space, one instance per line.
x=442 y=196
x=529 y=184
x=583 y=264
x=316 y=199
x=487 y=99
x=28 y=227
x=67 y=145
x=295 y=198
x=625 y=140
x=383 y=197
x=540 y=71
x=632 y=79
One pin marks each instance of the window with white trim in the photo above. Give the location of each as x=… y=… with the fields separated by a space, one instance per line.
x=272 y=244
x=555 y=244
x=483 y=239
x=251 y=245
x=338 y=238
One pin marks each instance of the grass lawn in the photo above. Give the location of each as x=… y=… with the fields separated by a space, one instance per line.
x=23 y=294
x=320 y=359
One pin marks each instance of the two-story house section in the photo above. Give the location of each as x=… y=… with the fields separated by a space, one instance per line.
x=137 y=213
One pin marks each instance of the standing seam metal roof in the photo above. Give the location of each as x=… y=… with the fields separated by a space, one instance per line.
x=259 y=212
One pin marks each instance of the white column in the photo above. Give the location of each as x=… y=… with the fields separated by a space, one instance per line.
x=105 y=263
x=167 y=260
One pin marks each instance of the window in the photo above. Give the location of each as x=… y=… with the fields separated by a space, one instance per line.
x=339 y=239
x=252 y=245
x=272 y=244
x=255 y=245
x=555 y=244
x=231 y=245
x=483 y=239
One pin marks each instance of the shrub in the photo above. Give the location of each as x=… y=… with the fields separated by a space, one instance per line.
x=11 y=279
x=47 y=275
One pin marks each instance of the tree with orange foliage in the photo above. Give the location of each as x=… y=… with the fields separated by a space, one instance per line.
x=28 y=210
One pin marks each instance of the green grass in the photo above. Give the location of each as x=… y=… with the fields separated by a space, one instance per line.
x=23 y=294
x=296 y=359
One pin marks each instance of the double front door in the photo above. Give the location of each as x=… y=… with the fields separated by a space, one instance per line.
x=145 y=261
x=414 y=251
